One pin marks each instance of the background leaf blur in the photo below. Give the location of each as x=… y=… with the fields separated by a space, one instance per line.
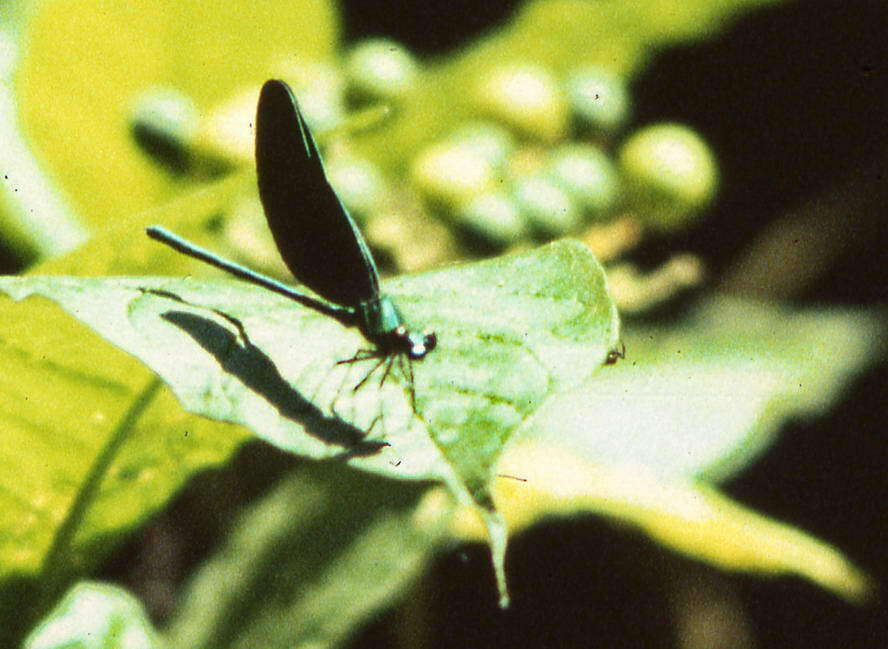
x=85 y=67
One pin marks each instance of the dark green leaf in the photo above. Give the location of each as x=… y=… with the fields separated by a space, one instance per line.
x=325 y=550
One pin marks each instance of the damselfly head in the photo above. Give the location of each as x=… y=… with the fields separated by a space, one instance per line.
x=415 y=345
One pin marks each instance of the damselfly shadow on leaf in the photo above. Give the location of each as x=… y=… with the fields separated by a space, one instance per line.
x=318 y=241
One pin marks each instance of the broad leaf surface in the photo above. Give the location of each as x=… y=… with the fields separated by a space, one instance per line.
x=687 y=515
x=705 y=396
x=695 y=402
x=512 y=332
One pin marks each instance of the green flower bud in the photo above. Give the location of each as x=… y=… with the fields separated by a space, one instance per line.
x=587 y=175
x=549 y=211
x=380 y=69
x=358 y=183
x=492 y=219
x=526 y=97
x=451 y=173
x=598 y=99
x=164 y=122
x=490 y=140
x=672 y=174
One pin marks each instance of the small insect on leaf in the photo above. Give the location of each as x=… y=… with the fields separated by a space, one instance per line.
x=615 y=355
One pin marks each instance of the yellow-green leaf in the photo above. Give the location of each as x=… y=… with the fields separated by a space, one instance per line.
x=86 y=64
x=688 y=516
x=90 y=446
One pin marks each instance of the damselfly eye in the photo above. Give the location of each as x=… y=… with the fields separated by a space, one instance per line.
x=420 y=344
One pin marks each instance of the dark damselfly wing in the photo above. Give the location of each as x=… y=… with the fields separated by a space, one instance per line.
x=314 y=233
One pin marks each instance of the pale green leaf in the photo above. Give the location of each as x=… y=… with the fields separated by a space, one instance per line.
x=694 y=401
x=512 y=332
x=94 y=615
x=34 y=219
x=706 y=395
